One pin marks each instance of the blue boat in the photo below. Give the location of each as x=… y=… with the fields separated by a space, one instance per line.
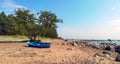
x=38 y=44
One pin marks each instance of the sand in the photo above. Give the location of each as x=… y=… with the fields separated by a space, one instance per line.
x=20 y=53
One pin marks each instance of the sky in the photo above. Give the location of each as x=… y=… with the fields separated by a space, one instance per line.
x=82 y=19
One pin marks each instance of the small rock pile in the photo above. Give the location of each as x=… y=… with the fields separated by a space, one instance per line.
x=117 y=49
x=103 y=57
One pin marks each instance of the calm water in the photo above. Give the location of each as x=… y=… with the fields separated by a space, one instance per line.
x=98 y=42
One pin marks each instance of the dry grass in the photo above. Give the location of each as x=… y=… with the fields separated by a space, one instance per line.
x=13 y=38
x=20 y=38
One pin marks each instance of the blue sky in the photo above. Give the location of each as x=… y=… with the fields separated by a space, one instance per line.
x=83 y=19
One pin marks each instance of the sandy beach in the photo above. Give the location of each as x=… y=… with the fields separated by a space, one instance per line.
x=58 y=53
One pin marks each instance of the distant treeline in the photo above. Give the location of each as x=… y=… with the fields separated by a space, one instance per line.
x=23 y=22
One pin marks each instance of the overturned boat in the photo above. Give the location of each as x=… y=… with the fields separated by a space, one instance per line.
x=38 y=44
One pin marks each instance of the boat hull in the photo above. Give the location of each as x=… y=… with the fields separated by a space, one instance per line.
x=39 y=44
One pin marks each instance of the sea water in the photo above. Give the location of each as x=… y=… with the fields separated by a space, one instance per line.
x=99 y=42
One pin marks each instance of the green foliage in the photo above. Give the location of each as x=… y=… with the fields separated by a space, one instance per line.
x=49 y=22
x=48 y=19
x=23 y=16
x=32 y=31
x=4 y=24
x=26 y=21
x=23 y=22
x=11 y=25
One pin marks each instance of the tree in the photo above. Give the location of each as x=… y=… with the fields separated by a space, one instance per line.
x=23 y=22
x=3 y=21
x=24 y=16
x=48 y=21
x=26 y=23
x=11 y=25
x=32 y=31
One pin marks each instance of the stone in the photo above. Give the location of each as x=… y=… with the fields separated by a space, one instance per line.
x=65 y=40
x=63 y=43
x=117 y=49
x=69 y=48
x=98 y=55
x=118 y=58
x=74 y=44
x=108 y=47
x=57 y=43
x=106 y=52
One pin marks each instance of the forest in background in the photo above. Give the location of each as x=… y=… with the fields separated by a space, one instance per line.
x=23 y=22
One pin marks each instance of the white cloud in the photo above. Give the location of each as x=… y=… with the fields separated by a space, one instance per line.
x=113 y=8
x=10 y=5
x=113 y=18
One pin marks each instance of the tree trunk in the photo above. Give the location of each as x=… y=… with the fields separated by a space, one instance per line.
x=34 y=38
x=29 y=37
